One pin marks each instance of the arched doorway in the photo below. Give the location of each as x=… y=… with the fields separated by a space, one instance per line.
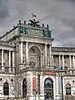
x=48 y=88
x=68 y=89
x=24 y=88
x=6 y=88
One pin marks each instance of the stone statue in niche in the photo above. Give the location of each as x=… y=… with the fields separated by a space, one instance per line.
x=23 y=30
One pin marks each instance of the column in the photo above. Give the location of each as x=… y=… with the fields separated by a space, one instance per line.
x=63 y=86
x=31 y=84
x=27 y=56
x=2 y=60
x=70 y=64
x=13 y=61
x=21 y=52
x=59 y=61
x=41 y=60
x=21 y=88
x=52 y=60
x=70 y=61
x=57 y=85
x=73 y=64
x=9 y=61
x=50 y=55
x=63 y=61
x=45 y=54
x=54 y=88
x=29 y=87
x=41 y=84
x=41 y=87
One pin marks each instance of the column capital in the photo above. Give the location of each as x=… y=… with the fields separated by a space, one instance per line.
x=46 y=44
x=70 y=55
x=62 y=55
x=59 y=54
x=2 y=49
x=9 y=50
x=73 y=55
x=26 y=41
x=21 y=42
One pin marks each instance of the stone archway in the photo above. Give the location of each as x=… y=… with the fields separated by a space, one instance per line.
x=34 y=57
x=48 y=88
x=6 y=88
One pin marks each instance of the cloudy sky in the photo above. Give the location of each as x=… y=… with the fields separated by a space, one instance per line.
x=59 y=14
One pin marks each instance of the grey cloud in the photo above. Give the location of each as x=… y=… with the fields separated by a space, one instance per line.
x=4 y=11
x=59 y=14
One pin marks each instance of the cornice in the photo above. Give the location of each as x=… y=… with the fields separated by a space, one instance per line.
x=63 y=49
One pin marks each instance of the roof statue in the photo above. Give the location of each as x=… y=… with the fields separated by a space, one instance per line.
x=24 y=28
x=34 y=23
x=47 y=32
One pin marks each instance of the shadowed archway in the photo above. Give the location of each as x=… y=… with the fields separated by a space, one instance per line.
x=48 y=88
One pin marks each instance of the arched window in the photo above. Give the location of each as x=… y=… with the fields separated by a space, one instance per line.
x=6 y=88
x=48 y=88
x=24 y=88
x=68 y=89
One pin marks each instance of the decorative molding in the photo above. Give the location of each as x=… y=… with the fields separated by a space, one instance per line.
x=63 y=49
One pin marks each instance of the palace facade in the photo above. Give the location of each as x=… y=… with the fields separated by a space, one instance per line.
x=30 y=65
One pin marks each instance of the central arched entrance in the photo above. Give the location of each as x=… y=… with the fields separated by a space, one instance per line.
x=48 y=88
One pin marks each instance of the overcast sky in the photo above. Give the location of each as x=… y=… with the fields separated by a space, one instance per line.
x=59 y=14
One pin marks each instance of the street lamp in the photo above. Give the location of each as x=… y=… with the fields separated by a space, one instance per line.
x=61 y=73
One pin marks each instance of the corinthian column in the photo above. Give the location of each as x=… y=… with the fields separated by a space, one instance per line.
x=70 y=66
x=63 y=61
x=59 y=61
x=50 y=55
x=2 y=60
x=21 y=49
x=13 y=61
x=10 y=61
x=73 y=62
x=45 y=54
x=27 y=55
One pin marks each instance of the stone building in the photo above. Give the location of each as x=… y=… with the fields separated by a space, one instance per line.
x=29 y=64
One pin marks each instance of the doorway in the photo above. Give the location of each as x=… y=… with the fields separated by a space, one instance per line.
x=48 y=89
